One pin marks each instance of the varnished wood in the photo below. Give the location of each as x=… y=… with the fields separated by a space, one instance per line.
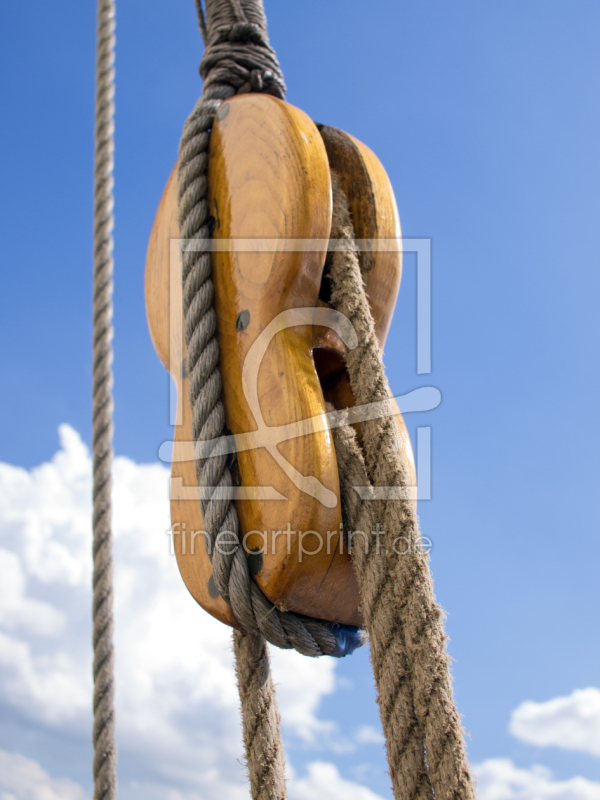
x=165 y=321
x=269 y=178
x=375 y=217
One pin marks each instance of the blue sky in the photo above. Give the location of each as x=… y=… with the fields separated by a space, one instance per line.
x=487 y=119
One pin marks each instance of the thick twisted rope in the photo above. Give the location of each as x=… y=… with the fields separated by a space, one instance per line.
x=265 y=758
x=404 y=738
x=423 y=732
x=105 y=751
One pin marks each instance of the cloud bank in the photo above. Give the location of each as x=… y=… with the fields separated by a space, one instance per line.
x=176 y=699
x=24 y=779
x=177 y=708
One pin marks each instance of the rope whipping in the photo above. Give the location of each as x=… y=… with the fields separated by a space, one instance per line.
x=105 y=750
x=238 y=58
x=424 y=735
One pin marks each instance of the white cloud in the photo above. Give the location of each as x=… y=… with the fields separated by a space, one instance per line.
x=44 y=514
x=24 y=779
x=177 y=707
x=325 y=782
x=572 y=722
x=301 y=684
x=500 y=779
x=46 y=686
x=17 y=610
x=367 y=734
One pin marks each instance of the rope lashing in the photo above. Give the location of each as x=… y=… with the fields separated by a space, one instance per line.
x=232 y=67
x=237 y=52
x=105 y=750
x=424 y=736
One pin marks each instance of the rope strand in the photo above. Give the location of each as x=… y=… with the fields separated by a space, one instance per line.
x=105 y=750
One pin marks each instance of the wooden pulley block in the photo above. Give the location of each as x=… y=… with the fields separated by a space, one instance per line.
x=281 y=346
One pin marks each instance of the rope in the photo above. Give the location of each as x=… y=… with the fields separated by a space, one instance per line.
x=424 y=736
x=238 y=58
x=260 y=719
x=105 y=750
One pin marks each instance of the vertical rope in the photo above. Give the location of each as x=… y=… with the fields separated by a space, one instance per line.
x=260 y=718
x=404 y=737
x=423 y=731
x=105 y=751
